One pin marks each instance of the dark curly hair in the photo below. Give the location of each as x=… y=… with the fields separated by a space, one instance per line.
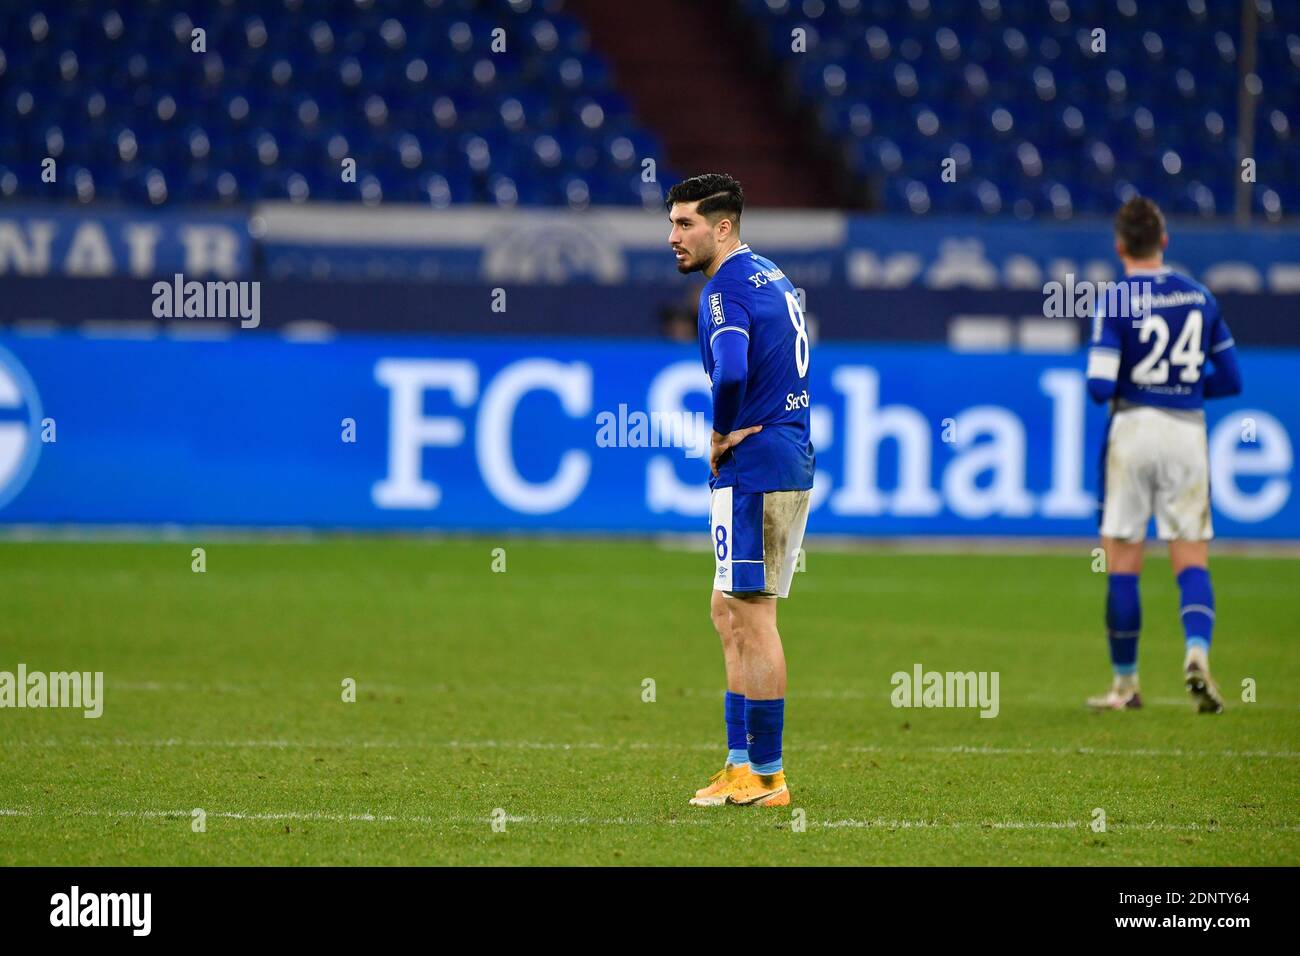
x=717 y=193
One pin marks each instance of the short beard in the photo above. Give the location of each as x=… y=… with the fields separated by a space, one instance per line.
x=698 y=265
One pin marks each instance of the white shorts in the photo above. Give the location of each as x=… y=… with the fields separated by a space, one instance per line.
x=1156 y=461
x=757 y=539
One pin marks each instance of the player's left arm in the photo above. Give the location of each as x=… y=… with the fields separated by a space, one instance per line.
x=1225 y=379
x=1103 y=357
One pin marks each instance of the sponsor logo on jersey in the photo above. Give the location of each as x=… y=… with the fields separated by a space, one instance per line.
x=715 y=307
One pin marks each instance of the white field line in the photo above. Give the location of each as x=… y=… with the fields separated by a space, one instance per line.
x=984 y=751
x=1184 y=703
x=180 y=687
x=691 y=819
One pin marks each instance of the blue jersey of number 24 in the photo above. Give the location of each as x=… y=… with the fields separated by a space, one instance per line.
x=1161 y=355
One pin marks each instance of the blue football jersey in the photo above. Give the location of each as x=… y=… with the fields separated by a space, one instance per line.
x=1161 y=347
x=750 y=296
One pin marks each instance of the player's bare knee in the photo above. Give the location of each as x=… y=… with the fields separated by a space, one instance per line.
x=749 y=615
x=1188 y=554
x=720 y=614
x=726 y=632
x=1123 y=557
x=739 y=631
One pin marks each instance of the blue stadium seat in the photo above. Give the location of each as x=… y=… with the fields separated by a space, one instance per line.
x=899 y=84
x=404 y=87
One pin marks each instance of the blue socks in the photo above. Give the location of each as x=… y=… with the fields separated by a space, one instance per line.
x=754 y=732
x=1124 y=615
x=733 y=709
x=1124 y=621
x=764 y=720
x=1197 y=607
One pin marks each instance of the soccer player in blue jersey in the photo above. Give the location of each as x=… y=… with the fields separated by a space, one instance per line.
x=1151 y=367
x=754 y=344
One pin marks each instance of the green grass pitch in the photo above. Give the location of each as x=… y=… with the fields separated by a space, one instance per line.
x=517 y=697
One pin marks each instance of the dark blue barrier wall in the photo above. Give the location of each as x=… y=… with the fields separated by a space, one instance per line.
x=839 y=312
x=479 y=434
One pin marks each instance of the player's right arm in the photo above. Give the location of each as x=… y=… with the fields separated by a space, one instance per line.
x=730 y=375
x=1104 y=353
x=729 y=343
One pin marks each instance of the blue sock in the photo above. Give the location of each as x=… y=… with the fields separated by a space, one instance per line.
x=764 y=719
x=1123 y=622
x=733 y=709
x=1197 y=607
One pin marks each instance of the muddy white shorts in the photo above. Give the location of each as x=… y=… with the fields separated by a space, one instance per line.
x=757 y=539
x=1156 y=462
